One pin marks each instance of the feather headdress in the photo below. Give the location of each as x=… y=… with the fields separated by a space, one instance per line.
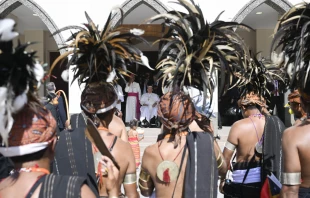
x=192 y=50
x=257 y=76
x=292 y=35
x=101 y=55
x=20 y=77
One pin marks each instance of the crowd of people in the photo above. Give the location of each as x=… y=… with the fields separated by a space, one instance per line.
x=46 y=154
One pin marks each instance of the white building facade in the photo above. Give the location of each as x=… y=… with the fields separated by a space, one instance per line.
x=60 y=13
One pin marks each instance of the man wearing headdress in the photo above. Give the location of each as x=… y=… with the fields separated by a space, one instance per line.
x=77 y=155
x=294 y=42
x=149 y=102
x=27 y=128
x=182 y=163
x=188 y=59
x=295 y=107
x=133 y=99
x=255 y=139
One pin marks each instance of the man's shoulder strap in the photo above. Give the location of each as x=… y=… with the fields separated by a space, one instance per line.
x=61 y=186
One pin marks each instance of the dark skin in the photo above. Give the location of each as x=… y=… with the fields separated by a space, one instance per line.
x=296 y=156
x=117 y=127
x=243 y=135
x=151 y=159
x=21 y=186
x=123 y=155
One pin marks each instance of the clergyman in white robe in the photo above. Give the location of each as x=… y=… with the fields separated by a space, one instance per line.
x=149 y=103
x=133 y=101
x=120 y=96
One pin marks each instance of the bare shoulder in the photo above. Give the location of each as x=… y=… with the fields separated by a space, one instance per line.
x=150 y=150
x=289 y=133
x=238 y=125
x=118 y=120
x=123 y=145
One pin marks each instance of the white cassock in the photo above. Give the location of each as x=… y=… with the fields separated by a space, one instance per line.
x=148 y=112
x=131 y=102
x=120 y=96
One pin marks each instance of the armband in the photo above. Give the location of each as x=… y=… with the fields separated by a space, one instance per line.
x=145 y=183
x=230 y=146
x=291 y=178
x=219 y=161
x=130 y=178
x=144 y=176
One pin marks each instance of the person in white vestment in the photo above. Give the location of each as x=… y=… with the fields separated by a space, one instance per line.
x=120 y=96
x=133 y=99
x=149 y=103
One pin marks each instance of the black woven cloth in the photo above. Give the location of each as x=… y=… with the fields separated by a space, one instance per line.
x=201 y=173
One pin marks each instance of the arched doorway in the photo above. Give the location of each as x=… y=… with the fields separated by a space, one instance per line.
x=262 y=16
x=134 y=14
x=34 y=24
x=7 y=6
x=130 y=5
x=279 y=5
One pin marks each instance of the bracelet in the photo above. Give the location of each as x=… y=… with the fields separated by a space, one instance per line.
x=220 y=164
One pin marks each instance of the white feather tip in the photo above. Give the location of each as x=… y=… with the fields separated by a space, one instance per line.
x=111 y=76
x=65 y=75
x=6 y=30
x=19 y=102
x=145 y=61
x=137 y=32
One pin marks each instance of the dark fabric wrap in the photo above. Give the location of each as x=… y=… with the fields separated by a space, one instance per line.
x=6 y=165
x=61 y=186
x=304 y=193
x=62 y=112
x=73 y=154
x=272 y=148
x=201 y=156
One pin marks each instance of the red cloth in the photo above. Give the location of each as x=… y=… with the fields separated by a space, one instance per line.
x=265 y=192
x=137 y=104
x=270 y=189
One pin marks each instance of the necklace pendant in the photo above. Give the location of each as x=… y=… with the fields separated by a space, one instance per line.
x=259 y=148
x=166 y=176
x=167 y=171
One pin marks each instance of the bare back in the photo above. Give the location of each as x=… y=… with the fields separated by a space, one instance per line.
x=123 y=155
x=296 y=149
x=117 y=127
x=21 y=186
x=151 y=159
x=245 y=134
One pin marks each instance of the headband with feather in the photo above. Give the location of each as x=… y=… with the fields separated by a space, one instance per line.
x=292 y=34
x=20 y=77
x=258 y=75
x=192 y=49
x=101 y=56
